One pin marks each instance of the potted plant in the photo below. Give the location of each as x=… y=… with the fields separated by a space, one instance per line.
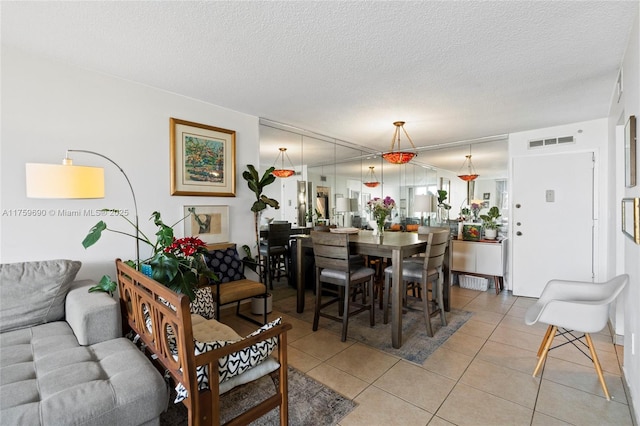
x=490 y=223
x=443 y=208
x=257 y=185
x=309 y=218
x=176 y=263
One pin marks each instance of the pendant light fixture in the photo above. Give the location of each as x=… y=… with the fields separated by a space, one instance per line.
x=371 y=181
x=467 y=172
x=282 y=172
x=399 y=157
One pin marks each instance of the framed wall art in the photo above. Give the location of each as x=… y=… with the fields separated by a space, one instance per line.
x=209 y=223
x=630 y=152
x=631 y=218
x=203 y=159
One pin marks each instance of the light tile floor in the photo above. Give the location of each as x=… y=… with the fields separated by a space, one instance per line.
x=480 y=376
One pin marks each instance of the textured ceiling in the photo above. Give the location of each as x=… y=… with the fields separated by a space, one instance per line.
x=452 y=70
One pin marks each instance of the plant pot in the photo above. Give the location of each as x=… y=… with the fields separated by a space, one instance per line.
x=490 y=234
x=257 y=304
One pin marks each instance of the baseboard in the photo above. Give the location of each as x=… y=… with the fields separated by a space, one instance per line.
x=632 y=409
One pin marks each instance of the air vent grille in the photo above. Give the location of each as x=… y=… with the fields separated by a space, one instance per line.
x=542 y=143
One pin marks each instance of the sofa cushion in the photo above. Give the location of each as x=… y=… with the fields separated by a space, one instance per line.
x=47 y=378
x=203 y=305
x=33 y=293
x=226 y=264
x=234 y=364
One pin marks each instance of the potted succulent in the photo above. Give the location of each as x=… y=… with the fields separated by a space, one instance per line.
x=490 y=223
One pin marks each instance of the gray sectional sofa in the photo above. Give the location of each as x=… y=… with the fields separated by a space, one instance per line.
x=62 y=358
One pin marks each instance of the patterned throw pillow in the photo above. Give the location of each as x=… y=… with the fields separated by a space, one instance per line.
x=233 y=364
x=204 y=305
x=226 y=264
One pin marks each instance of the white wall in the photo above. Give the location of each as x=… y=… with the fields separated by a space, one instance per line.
x=49 y=107
x=625 y=258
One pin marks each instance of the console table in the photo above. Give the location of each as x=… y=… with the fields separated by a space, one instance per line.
x=484 y=258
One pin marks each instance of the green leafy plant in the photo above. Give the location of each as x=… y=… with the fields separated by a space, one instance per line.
x=176 y=263
x=106 y=285
x=442 y=197
x=257 y=185
x=490 y=220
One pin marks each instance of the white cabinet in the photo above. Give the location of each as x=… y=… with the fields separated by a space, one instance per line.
x=479 y=258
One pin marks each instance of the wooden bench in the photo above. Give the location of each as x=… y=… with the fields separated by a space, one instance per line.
x=158 y=315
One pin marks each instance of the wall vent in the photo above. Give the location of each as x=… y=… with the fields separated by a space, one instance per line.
x=541 y=143
x=323 y=178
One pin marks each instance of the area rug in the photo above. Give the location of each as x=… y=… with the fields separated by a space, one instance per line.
x=310 y=403
x=416 y=344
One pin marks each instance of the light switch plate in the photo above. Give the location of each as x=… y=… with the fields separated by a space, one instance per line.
x=550 y=195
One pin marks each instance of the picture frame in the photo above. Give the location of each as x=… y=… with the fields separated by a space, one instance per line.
x=471 y=232
x=630 y=153
x=486 y=195
x=209 y=223
x=203 y=159
x=631 y=218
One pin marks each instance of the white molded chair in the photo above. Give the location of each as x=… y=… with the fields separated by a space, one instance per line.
x=575 y=306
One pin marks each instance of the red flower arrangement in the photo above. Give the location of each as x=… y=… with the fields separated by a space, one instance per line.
x=187 y=246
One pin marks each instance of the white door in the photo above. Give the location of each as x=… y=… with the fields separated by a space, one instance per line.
x=552 y=220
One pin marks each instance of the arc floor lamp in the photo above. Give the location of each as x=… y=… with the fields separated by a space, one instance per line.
x=74 y=182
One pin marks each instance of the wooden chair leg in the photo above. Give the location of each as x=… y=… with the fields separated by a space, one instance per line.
x=372 y=304
x=427 y=311
x=596 y=364
x=545 y=350
x=316 y=311
x=345 y=313
x=440 y=298
x=544 y=340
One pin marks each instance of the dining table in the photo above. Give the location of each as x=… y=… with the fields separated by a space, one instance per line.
x=393 y=245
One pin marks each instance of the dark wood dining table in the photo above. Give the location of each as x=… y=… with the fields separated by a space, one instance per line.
x=393 y=245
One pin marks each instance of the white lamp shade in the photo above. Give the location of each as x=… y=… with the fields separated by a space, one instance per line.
x=422 y=203
x=64 y=181
x=343 y=205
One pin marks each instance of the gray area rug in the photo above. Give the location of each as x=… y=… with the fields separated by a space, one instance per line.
x=310 y=403
x=416 y=344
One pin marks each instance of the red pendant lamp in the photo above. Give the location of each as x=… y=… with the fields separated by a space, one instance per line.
x=282 y=172
x=399 y=157
x=371 y=181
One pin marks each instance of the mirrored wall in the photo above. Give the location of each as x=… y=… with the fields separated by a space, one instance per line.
x=334 y=180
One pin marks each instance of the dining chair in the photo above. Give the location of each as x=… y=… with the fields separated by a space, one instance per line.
x=336 y=267
x=574 y=306
x=275 y=252
x=421 y=271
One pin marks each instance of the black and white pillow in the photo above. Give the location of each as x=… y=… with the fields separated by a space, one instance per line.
x=233 y=364
x=226 y=264
x=204 y=305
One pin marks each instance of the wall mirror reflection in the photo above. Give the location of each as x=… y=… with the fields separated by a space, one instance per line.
x=334 y=180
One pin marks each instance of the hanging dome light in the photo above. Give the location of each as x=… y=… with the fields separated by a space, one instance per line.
x=282 y=172
x=371 y=181
x=467 y=172
x=399 y=157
